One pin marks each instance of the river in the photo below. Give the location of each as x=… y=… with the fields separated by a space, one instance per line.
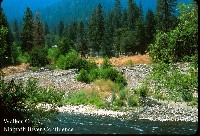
x=82 y=124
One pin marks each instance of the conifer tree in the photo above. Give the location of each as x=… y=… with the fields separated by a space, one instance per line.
x=117 y=14
x=39 y=39
x=91 y=32
x=165 y=10
x=100 y=28
x=61 y=28
x=16 y=31
x=6 y=33
x=46 y=28
x=151 y=24
x=124 y=19
x=132 y=14
x=27 y=34
x=80 y=40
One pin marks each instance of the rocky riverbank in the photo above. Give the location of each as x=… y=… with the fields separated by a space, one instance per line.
x=161 y=111
x=153 y=110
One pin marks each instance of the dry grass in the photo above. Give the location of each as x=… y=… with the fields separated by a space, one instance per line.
x=121 y=61
x=11 y=70
x=103 y=87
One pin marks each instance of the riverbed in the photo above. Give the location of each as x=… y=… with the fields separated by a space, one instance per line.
x=83 y=124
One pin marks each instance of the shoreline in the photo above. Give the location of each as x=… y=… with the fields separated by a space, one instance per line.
x=161 y=112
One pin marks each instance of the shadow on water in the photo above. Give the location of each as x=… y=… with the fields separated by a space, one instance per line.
x=82 y=124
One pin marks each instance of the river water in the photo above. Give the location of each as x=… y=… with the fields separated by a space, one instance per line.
x=82 y=124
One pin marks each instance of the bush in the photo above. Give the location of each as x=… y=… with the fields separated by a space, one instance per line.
x=171 y=83
x=83 y=76
x=180 y=44
x=119 y=103
x=73 y=61
x=122 y=95
x=143 y=91
x=133 y=101
x=106 y=63
x=38 y=57
x=53 y=54
x=23 y=57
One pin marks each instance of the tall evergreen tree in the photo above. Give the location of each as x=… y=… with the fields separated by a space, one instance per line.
x=165 y=10
x=61 y=28
x=81 y=45
x=96 y=30
x=27 y=34
x=6 y=52
x=16 y=31
x=117 y=14
x=124 y=19
x=151 y=24
x=132 y=14
x=100 y=28
x=91 y=32
x=39 y=39
x=46 y=28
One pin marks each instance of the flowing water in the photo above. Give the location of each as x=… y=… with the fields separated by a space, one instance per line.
x=82 y=124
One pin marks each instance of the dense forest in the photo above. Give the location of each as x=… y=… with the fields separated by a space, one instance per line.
x=122 y=31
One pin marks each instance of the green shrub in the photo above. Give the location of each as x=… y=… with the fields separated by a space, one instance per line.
x=23 y=57
x=143 y=91
x=106 y=63
x=38 y=57
x=53 y=54
x=171 y=83
x=122 y=95
x=72 y=60
x=180 y=44
x=119 y=103
x=83 y=76
x=133 y=101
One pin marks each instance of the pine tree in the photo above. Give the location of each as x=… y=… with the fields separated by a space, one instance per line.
x=117 y=14
x=7 y=34
x=27 y=34
x=100 y=28
x=16 y=31
x=61 y=28
x=46 y=28
x=91 y=32
x=132 y=14
x=151 y=24
x=96 y=30
x=140 y=36
x=107 y=49
x=80 y=40
x=165 y=10
x=124 y=19
x=39 y=39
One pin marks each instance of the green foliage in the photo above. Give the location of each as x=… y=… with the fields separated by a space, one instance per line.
x=123 y=94
x=179 y=44
x=90 y=72
x=170 y=83
x=72 y=60
x=64 y=46
x=39 y=95
x=81 y=98
x=38 y=57
x=143 y=91
x=119 y=103
x=83 y=76
x=133 y=101
x=23 y=57
x=53 y=54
